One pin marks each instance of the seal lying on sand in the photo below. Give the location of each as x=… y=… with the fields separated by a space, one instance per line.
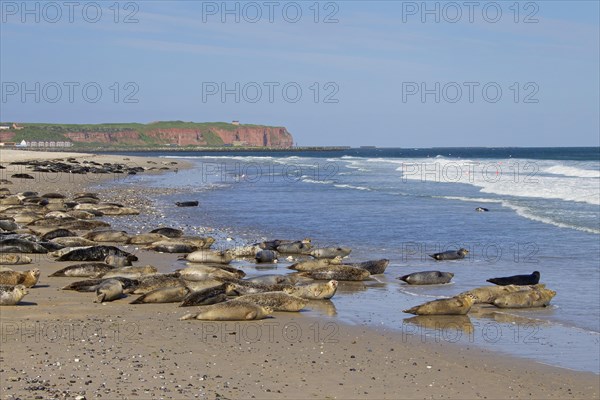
x=427 y=278
x=28 y=278
x=278 y=301
x=14 y=259
x=537 y=297
x=532 y=279
x=109 y=290
x=146 y=238
x=314 y=291
x=233 y=310
x=73 y=241
x=310 y=265
x=11 y=295
x=331 y=252
x=450 y=255
x=173 y=294
x=118 y=261
x=203 y=272
x=15 y=245
x=207 y=296
x=274 y=279
x=91 y=270
x=107 y=236
x=298 y=247
x=90 y=285
x=458 y=305
x=374 y=266
x=338 y=272
x=95 y=253
x=131 y=272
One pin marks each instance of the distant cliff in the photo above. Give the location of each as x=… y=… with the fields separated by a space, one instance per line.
x=171 y=133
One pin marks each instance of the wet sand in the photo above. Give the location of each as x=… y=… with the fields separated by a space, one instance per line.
x=59 y=344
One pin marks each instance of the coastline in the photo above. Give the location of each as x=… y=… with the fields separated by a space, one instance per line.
x=323 y=359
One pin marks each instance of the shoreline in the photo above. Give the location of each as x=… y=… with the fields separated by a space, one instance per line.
x=301 y=366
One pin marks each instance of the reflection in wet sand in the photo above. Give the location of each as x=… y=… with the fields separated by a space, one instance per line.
x=505 y=317
x=322 y=307
x=443 y=323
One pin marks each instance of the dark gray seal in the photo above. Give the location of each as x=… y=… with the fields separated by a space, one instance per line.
x=95 y=253
x=374 y=266
x=450 y=255
x=266 y=256
x=427 y=278
x=207 y=296
x=168 y=232
x=186 y=204
x=532 y=279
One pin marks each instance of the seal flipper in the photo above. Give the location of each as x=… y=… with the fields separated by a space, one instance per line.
x=100 y=298
x=251 y=315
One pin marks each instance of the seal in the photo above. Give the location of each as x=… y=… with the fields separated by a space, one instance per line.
x=11 y=295
x=107 y=236
x=487 y=294
x=266 y=256
x=242 y=287
x=536 y=297
x=314 y=291
x=91 y=270
x=233 y=310
x=374 y=267
x=73 y=241
x=245 y=251
x=208 y=296
x=146 y=238
x=28 y=278
x=130 y=272
x=458 y=305
x=14 y=259
x=175 y=246
x=95 y=253
x=331 y=252
x=210 y=256
x=338 y=272
x=203 y=272
x=278 y=301
x=481 y=209
x=90 y=285
x=109 y=290
x=152 y=282
x=310 y=265
x=532 y=279
x=297 y=247
x=117 y=261
x=168 y=232
x=186 y=204
x=427 y=278
x=450 y=255
x=173 y=294
x=15 y=245
x=274 y=279
x=8 y=225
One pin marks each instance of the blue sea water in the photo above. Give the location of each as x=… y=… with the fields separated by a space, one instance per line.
x=403 y=204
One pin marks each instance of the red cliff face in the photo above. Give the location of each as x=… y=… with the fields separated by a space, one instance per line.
x=248 y=136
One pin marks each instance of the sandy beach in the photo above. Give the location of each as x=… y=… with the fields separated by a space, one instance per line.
x=59 y=344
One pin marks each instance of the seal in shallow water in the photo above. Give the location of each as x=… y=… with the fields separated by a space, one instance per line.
x=11 y=295
x=532 y=279
x=536 y=297
x=233 y=310
x=450 y=255
x=338 y=272
x=427 y=278
x=458 y=305
x=314 y=291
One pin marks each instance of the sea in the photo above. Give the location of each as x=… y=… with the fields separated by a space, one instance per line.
x=404 y=204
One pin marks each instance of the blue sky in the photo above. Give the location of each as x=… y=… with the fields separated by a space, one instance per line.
x=362 y=72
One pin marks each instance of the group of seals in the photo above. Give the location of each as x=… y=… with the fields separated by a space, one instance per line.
x=519 y=291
